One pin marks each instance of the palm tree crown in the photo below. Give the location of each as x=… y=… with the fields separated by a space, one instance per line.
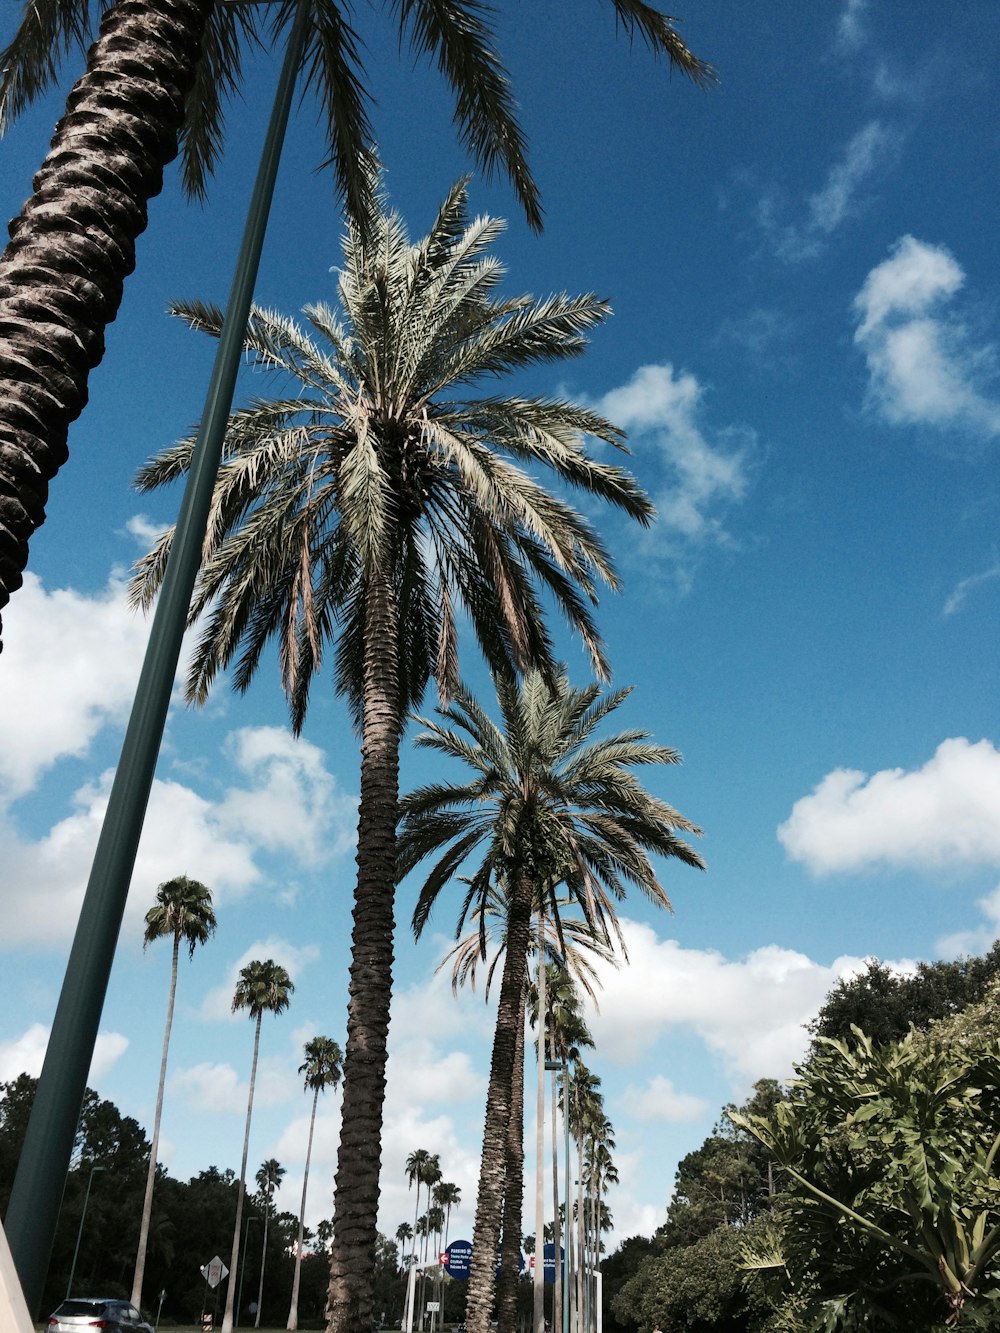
x=262 y=987
x=183 y=909
x=382 y=461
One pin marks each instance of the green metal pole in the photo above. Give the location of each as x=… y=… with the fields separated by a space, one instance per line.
x=566 y=1275
x=41 y=1175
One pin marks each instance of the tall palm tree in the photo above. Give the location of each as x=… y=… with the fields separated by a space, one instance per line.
x=156 y=78
x=321 y=1068
x=447 y=1196
x=379 y=498
x=268 y=1178
x=567 y=942
x=183 y=910
x=548 y=805
x=263 y=987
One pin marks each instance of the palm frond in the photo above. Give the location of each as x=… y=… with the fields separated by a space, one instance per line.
x=218 y=76
x=658 y=32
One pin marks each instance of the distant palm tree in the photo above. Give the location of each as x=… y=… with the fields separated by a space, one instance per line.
x=321 y=1068
x=263 y=987
x=548 y=806
x=447 y=1196
x=156 y=78
x=384 y=499
x=404 y=1234
x=183 y=910
x=268 y=1178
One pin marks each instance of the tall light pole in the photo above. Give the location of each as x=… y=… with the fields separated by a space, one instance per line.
x=79 y=1231
x=243 y=1269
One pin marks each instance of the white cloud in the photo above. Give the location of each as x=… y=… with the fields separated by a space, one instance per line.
x=851 y=28
x=943 y=814
x=24 y=1055
x=660 y=1100
x=70 y=666
x=700 y=478
x=217 y=1088
x=836 y=201
x=288 y=803
x=924 y=368
x=749 y=1012
x=977 y=940
x=144 y=532
x=962 y=589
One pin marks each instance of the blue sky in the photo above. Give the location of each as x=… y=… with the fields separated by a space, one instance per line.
x=802 y=264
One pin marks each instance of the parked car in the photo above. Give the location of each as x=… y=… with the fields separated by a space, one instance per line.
x=83 y=1313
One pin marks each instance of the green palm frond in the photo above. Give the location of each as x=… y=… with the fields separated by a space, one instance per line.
x=455 y=32
x=30 y=63
x=218 y=76
x=658 y=32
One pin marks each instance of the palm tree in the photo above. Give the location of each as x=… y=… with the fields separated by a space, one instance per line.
x=268 y=1178
x=321 y=1068
x=548 y=805
x=263 y=987
x=447 y=1196
x=404 y=1233
x=374 y=503
x=155 y=79
x=567 y=941
x=183 y=910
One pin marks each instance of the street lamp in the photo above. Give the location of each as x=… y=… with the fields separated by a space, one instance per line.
x=79 y=1233
x=243 y=1268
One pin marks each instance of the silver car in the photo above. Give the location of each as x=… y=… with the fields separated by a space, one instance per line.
x=82 y=1313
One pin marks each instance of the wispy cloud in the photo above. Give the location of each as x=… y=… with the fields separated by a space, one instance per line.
x=699 y=475
x=965 y=586
x=924 y=367
x=852 y=28
x=836 y=201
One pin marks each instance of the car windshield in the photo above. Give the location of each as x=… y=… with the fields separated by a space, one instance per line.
x=82 y=1307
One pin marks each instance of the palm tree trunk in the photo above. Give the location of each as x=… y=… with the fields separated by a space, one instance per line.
x=513 y=1199
x=581 y=1257
x=538 y=1292
x=73 y=244
x=489 y=1205
x=356 y=1192
x=263 y=1257
x=227 y=1318
x=147 y=1202
x=293 y=1309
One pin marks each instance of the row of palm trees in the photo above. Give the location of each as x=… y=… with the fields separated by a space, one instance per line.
x=183 y=912
x=376 y=509
x=423 y=1168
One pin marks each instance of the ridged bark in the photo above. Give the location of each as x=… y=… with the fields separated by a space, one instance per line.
x=356 y=1192
x=513 y=1198
x=73 y=245
x=489 y=1205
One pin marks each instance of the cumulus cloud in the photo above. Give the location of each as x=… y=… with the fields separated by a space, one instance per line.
x=924 y=367
x=701 y=475
x=943 y=814
x=286 y=802
x=750 y=1012
x=837 y=199
x=70 y=666
x=24 y=1054
x=660 y=1100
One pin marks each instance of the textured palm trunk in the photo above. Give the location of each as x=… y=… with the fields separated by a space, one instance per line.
x=147 y=1201
x=513 y=1199
x=492 y=1171
x=356 y=1193
x=73 y=244
x=293 y=1309
x=227 y=1318
x=538 y=1290
x=581 y=1255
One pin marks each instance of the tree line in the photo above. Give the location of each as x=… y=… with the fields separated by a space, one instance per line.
x=864 y=1195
